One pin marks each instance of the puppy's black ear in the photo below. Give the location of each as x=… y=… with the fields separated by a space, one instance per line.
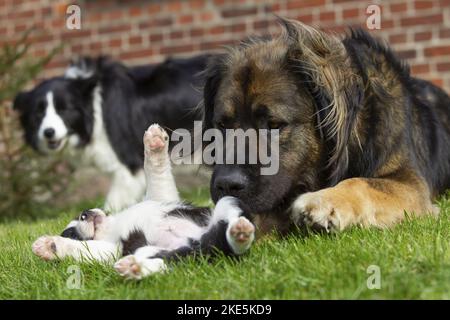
x=71 y=233
x=21 y=101
x=214 y=72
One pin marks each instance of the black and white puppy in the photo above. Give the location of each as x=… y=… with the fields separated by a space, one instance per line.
x=158 y=229
x=103 y=108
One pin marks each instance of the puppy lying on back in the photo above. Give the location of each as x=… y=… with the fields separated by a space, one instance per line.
x=159 y=228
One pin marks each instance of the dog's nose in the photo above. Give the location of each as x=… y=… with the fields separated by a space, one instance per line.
x=232 y=183
x=49 y=133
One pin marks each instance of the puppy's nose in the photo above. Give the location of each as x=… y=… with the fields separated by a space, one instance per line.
x=49 y=133
x=231 y=184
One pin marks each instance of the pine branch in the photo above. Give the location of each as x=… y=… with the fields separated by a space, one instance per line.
x=25 y=177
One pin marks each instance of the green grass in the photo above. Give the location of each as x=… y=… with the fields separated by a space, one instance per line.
x=414 y=260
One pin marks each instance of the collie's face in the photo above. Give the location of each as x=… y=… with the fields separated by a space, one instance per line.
x=87 y=226
x=55 y=113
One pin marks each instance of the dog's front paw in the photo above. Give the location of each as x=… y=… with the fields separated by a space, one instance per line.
x=131 y=267
x=321 y=211
x=240 y=235
x=45 y=248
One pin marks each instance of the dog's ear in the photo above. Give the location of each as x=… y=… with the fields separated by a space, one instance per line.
x=83 y=67
x=213 y=75
x=324 y=67
x=21 y=101
x=84 y=87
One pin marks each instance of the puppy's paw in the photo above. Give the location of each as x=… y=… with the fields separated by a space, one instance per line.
x=131 y=267
x=156 y=139
x=321 y=211
x=240 y=235
x=45 y=248
x=156 y=147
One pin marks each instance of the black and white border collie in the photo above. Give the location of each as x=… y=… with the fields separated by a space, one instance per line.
x=159 y=229
x=103 y=108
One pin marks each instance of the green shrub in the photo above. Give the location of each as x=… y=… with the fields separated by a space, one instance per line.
x=27 y=180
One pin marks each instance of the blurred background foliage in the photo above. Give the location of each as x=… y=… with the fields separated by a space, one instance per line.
x=27 y=179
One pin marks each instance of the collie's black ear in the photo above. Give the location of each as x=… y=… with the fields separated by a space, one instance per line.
x=84 y=86
x=83 y=67
x=21 y=101
x=214 y=71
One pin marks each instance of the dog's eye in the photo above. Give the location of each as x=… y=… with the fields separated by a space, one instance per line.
x=276 y=125
x=83 y=216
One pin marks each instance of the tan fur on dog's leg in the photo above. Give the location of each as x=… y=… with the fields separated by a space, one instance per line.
x=363 y=201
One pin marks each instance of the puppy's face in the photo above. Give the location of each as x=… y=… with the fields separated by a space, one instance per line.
x=54 y=113
x=257 y=88
x=87 y=226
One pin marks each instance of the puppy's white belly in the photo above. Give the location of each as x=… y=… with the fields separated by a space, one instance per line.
x=174 y=232
x=168 y=232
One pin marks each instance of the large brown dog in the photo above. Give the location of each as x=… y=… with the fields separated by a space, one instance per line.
x=361 y=141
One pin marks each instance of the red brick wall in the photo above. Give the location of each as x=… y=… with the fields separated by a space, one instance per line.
x=147 y=31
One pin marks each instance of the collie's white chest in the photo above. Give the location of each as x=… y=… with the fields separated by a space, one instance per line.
x=99 y=151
